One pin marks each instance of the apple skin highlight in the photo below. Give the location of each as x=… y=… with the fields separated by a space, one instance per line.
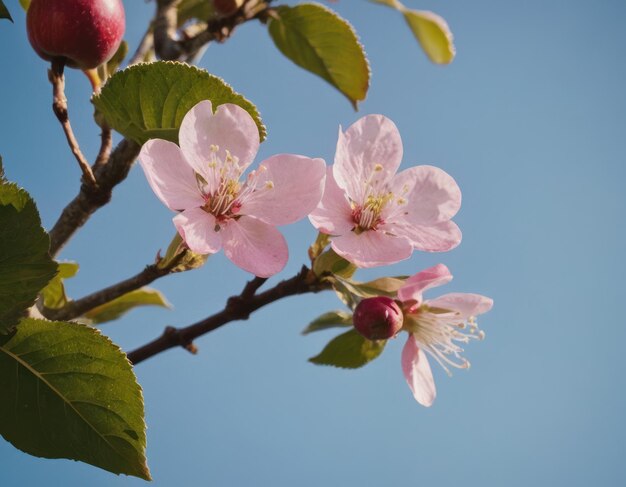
x=84 y=33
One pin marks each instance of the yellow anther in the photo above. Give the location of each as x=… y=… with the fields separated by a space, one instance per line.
x=378 y=167
x=214 y=148
x=269 y=184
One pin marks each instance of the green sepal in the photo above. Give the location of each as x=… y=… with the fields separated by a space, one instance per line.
x=331 y=263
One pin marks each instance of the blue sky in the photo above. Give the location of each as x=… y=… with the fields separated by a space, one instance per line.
x=529 y=119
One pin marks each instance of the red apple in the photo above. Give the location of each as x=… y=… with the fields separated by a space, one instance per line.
x=85 y=33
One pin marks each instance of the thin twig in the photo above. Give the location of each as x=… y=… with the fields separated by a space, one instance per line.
x=59 y=106
x=79 y=307
x=168 y=47
x=237 y=308
x=106 y=143
x=90 y=198
x=165 y=25
x=146 y=44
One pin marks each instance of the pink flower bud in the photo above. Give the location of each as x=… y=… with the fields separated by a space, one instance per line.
x=377 y=318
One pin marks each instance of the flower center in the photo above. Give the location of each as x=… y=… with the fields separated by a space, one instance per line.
x=225 y=202
x=368 y=216
x=439 y=331
x=224 y=175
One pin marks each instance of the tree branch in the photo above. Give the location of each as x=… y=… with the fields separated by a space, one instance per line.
x=79 y=307
x=59 y=106
x=218 y=29
x=91 y=198
x=237 y=308
x=146 y=44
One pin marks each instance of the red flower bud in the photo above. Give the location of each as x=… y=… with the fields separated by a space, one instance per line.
x=377 y=318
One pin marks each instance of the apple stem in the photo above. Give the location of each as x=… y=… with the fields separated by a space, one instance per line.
x=59 y=106
x=94 y=79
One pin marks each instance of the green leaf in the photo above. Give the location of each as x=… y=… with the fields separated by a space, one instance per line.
x=25 y=263
x=69 y=392
x=118 y=307
x=53 y=294
x=25 y=4
x=433 y=34
x=331 y=262
x=147 y=101
x=349 y=350
x=332 y=319
x=430 y=30
x=318 y=40
x=4 y=11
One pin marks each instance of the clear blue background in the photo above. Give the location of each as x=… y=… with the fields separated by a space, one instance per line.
x=530 y=121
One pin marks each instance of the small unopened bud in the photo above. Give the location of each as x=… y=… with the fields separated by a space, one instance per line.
x=377 y=318
x=227 y=7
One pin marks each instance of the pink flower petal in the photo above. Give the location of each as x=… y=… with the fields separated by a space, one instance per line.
x=417 y=373
x=415 y=285
x=333 y=215
x=371 y=141
x=230 y=128
x=197 y=229
x=431 y=195
x=170 y=176
x=288 y=188
x=465 y=304
x=372 y=248
x=439 y=237
x=255 y=246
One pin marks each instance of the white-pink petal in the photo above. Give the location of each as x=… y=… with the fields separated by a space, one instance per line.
x=370 y=149
x=169 y=174
x=415 y=285
x=198 y=229
x=288 y=188
x=438 y=237
x=333 y=215
x=432 y=195
x=229 y=128
x=417 y=372
x=464 y=304
x=372 y=248
x=255 y=246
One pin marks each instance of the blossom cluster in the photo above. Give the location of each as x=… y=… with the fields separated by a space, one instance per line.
x=372 y=214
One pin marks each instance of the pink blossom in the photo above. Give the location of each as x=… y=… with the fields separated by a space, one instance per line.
x=376 y=216
x=436 y=326
x=201 y=179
